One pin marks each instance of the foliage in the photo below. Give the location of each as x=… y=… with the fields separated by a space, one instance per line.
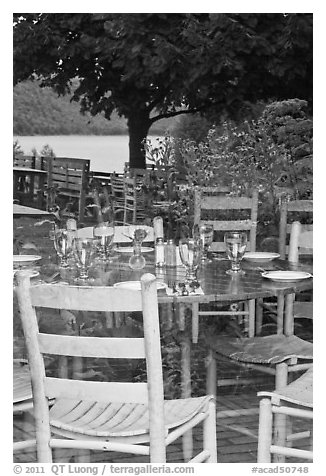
x=257 y=154
x=17 y=150
x=288 y=123
x=153 y=65
x=193 y=126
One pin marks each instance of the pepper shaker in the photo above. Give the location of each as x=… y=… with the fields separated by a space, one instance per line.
x=170 y=254
x=159 y=252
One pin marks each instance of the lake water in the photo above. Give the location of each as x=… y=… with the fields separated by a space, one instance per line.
x=106 y=153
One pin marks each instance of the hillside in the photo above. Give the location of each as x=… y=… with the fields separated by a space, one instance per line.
x=39 y=111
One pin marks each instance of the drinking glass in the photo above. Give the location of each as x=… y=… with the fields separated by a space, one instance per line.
x=190 y=254
x=85 y=250
x=63 y=245
x=206 y=233
x=235 y=243
x=104 y=232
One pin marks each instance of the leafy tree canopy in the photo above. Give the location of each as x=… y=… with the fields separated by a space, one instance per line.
x=153 y=65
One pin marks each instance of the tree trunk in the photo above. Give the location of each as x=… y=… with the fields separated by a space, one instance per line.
x=138 y=126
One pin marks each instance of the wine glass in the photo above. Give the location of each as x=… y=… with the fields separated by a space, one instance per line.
x=190 y=254
x=105 y=233
x=235 y=243
x=85 y=250
x=206 y=233
x=63 y=245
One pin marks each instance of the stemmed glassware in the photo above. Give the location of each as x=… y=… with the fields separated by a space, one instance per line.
x=190 y=254
x=85 y=250
x=63 y=244
x=137 y=260
x=235 y=243
x=104 y=232
x=206 y=233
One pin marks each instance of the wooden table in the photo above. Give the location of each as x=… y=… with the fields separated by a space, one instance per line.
x=216 y=285
x=27 y=181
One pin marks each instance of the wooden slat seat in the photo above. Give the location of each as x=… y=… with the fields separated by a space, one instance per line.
x=120 y=419
x=271 y=349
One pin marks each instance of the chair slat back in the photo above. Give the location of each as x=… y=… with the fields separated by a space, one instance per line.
x=290 y=211
x=83 y=298
x=120 y=392
x=301 y=242
x=68 y=173
x=226 y=213
x=25 y=161
x=107 y=347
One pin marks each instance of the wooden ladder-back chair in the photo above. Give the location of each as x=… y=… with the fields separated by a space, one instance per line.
x=290 y=247
x=29 y=189
x=215 y=206
x=226 y=213
x=301 y=243
x=290 y=211
x=118 y=197
x=277 y=409
x=263 y=353
x=134 y=210
x=70 y=177
x=107 y=416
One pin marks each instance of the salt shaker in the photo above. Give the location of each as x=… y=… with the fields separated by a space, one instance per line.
x=158 y=228
x=159 y=252
x=170 y=254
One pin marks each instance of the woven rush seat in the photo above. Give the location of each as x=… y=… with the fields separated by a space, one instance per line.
x=262 y=350
x=298 y=392
x=119 y=419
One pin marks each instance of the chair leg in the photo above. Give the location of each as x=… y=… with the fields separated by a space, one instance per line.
x=211 y=380
x=259 y=316
x=209 y=433
x=265 y=430
x=187 y=443
x=280 y=420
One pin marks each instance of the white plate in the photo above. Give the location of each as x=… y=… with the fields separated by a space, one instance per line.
x=130 y=250
x=136 y=285
x=32 y=274
x=25 y=259
x=260 y=256
x=286 y=275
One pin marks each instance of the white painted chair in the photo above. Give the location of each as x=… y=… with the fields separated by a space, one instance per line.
x=275 y=354
x=276 y=411
x=301 y=242
x=107 y=416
